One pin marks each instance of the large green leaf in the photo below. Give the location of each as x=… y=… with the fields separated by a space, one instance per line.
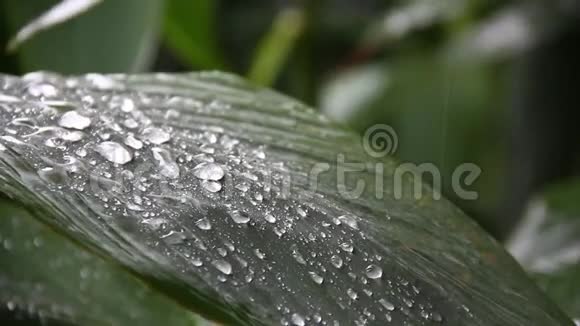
x=226 y=198
x=48 y=275
x=114 y=36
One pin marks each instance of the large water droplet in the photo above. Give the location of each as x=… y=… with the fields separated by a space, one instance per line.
x=316 y=278
x=114 y=152
x=374 y=271
x=208 y=171
x=387 y=304
x=349 y=220
x=336 y=261
x=297 y=320
x=155 y=135
x=168 y=167
x=270 y=218
x=211 y=186
x=133 y=142
x=240 y=217
x=223 y=266
x=73 y=120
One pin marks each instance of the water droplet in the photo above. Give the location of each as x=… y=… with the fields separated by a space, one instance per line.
x=259 y=253
x=297 y=320
x=208 y=171
x=114 y=152
x=130 y=123
x=316 y=278
x=73 y=120
x=387 y=304
x=349 y=220
x=223 y=266
x=346 y=247
x=240 y=217
x=42 y=90
x=211 y=186
x=133 y=142
x=336 y=261
x=351 y=294
x=168 y=167
x=203 y=224
x=128 y=105
x=374 y=271
x=270 y=218
x=155 y=135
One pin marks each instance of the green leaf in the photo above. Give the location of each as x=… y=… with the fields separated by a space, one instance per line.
x=275 y=47
x=229 y=199
x=191 y=31
x=63 y=11
x=50 y=277
x=547 y=245
x=115 y=36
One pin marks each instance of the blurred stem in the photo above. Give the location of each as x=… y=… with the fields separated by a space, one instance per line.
x=276 y=46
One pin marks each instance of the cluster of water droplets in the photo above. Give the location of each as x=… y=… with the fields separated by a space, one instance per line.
x=213 y=202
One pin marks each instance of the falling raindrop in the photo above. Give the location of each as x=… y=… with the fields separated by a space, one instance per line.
x=114 y=152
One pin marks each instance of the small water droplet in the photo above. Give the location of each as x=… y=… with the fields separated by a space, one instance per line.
x=352 y=294
x=203 y=224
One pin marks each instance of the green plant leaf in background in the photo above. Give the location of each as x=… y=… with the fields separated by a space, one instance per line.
x=227 y=199
x=190 y=31
x=547 y=243
x=275 y=47
x=115 y=36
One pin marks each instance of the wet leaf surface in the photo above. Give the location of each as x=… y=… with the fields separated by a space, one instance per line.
x=229 y=199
